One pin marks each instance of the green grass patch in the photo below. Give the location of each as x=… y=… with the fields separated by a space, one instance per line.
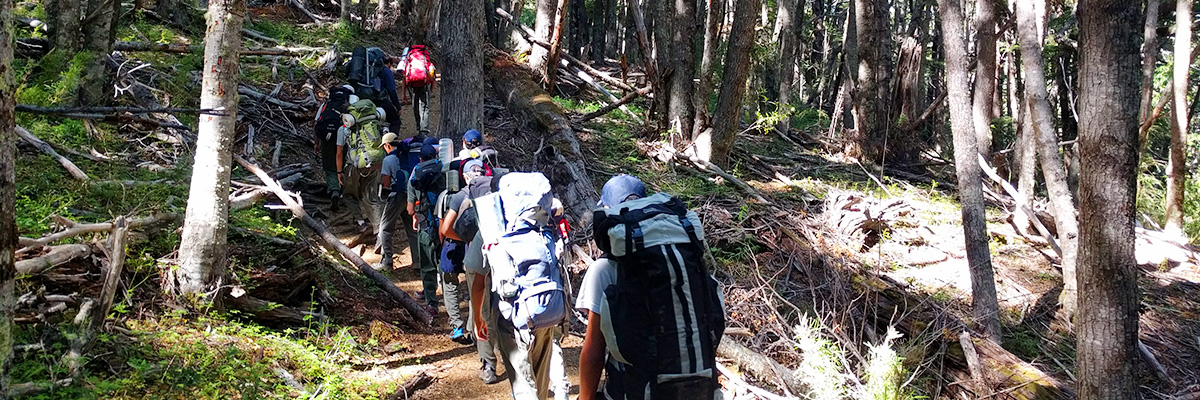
x=259 y=220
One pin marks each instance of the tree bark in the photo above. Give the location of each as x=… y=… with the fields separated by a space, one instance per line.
x=202 y=250
x=8 y=193
x=985 y=74
x=579 y=29
x=1107 y=323
x=872 y=89
x=67 y=34
x=1150 y=49
x=344 y=15
x=675 y=33
x=99 y=35
x=555 y=45
x=599 y=29
x=175 y=11
x=462 y=72
x=1177 y=162
x=786 y=33
x=1042 y=121
x=539 y=57
x=716 y=144
x=985 y=306
x=714 y=20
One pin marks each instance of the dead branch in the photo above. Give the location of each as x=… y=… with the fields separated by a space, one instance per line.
x=411 y=385
x=592 y=82
x=22 y=390
x=1022 y=203
x=736 y=380
x=112 y=110
x=532 y=38
x=608 y=108
x=760 y=366
x=259 y=35
x=45 y=148
x=58 y=255
x=667 y=154
x=334 y=245
x=259 y=97
x=118 y=240
x=263 y=310
x=76 y=229
x=183 y=48
x=272 y=239
x=313 y=17
x=1159 y=371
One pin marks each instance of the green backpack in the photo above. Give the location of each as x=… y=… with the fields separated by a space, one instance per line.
x=364 y=137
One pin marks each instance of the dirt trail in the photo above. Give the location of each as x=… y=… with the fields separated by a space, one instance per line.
x=457 y=365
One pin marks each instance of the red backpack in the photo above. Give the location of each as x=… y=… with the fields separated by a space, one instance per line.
x=418 y=71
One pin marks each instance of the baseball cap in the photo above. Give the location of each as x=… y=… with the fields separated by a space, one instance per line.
x=428 y=152
x=472 y=136
x=619 y=188
x=388 y=138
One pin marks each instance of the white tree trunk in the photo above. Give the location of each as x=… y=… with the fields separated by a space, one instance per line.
x=202 y=251
x=1177 y=164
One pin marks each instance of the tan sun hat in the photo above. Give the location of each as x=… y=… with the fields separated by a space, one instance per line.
x=388 y=138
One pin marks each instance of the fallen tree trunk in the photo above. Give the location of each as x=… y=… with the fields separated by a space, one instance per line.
x=760 y=366
x=1022 y=203
x=76 y=229
x=111 y=110
x=45 y=148
x=266 y=311
x=184 y=48
x=58 y=255
x=608 y=108
x=559 y=158
x=333 y=244
x=665 y=153
x=411 y=385
x=533 y=39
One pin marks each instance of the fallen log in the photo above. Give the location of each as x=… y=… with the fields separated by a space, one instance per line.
x=184 y=48
x=1022 y=203
x=741 y=383
x=533 y=39
x=32 y=109
x=559 y=158
x=667 y=154
x=45 y=148
x=416 y=310
x=58 y=255
x=592 y=82
x=760 y=366
x=266 y=311
x=76 y=229
x=313 y=17
x=619 y=103
x=411 y=385
x=260 y=97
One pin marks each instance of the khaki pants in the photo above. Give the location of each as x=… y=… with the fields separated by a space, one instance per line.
x=529 y=358
x=362 y=193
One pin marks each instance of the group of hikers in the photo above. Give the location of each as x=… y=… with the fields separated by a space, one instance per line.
x=654 y=313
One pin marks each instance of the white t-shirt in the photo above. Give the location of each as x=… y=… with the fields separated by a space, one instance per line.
x=600 y=275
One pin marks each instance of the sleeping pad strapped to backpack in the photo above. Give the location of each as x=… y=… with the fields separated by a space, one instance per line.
x=667 y=313
x=519 y=243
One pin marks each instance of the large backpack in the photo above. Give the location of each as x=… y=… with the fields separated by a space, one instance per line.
x=363 y=141
x=329 y=117
x=430 y=182
x=513 y=224
x=418 y=68
x=666 y=311
x=364 y=71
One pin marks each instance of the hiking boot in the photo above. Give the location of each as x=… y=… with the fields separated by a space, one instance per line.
x=487 y=373
x=458 y=335
x=335 y=201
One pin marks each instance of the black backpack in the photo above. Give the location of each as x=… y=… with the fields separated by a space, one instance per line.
x=329 y=117
x=666 y=310
x=364 y=72
x=430 y=182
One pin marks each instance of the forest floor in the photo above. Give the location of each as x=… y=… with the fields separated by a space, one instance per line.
x=354 y=343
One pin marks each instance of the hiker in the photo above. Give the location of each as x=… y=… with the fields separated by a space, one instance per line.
x=419 y=75
x=526 y=282
x=425 y=183
x=325 y=137
x=359 y=157
x=393 y=190
x=369 y=74
x=657 y=336
x=453 y=251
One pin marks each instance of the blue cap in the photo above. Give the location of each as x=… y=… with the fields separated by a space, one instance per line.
x=430 y=141
x=428 y=152
x=472 y=136
x=619 y=188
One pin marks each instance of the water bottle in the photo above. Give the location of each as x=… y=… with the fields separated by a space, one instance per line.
x=445 y=155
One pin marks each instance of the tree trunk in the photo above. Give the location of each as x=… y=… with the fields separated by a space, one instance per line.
x=344 y=16
x=872 y=91
x=1150 y=49
x=1107 y=323
x=8 y=193
x=579 y=28
x=175 y=11
x=539 y=57
x=970 y=180
x=1042 y=121
x=714 y=20
x=67 y=35
x=599 y=29
x=786 y=29
x=908 y=83
x=716 y=145
x=1177 y=162
x=462 y=67
x=99 y=34
x=555 y=45
x=202 y=250
x=985 y=74
x=675 y=33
